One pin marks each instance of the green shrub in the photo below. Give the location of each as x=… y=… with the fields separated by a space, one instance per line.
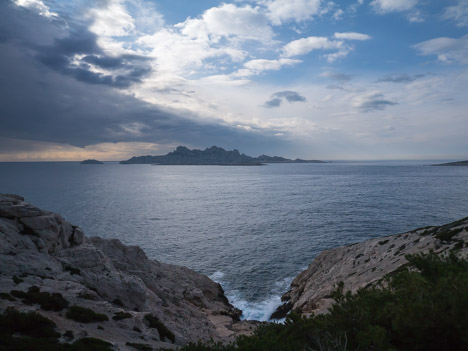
x=164 y=332
x=30 y=324
x=85 y=315
x=20 y=331
x=48 y=302
x=91 y=344
x=140 y=347
x=17 y=280
x=72 y=270
x=6 y=296
x=121 y=315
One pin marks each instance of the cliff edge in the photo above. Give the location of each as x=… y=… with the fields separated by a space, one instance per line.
x=49 y=266
x=359 y=265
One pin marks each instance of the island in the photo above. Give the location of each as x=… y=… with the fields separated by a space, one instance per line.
x=91 y=162
x=458 y=163
x=211 y=156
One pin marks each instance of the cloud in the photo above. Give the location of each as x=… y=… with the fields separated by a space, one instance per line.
x=47 y=96
x=273 y=103
x=112 y=20
x=372 y=102
x=289 y=96
x=229 y=21
x=352 y=36
x=385 y=6
x=457 y=13
x=342 y=77
x=400 y=78
x=79 y=56
x=306 y=45
x=280 y=11
x=253 y=67
x=447 y=50
x=36 y=5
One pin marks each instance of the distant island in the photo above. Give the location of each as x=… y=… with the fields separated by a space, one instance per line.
x=211 y=156
x=458 y=163
x=91 y=162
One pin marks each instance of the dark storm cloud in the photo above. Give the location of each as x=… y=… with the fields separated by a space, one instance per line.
x=400 y=78
x=278 y=97
x=375 y=102
x=273 y=103
x=127 y=69
x=45 y=99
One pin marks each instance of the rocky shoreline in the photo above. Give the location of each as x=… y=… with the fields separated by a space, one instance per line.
x=40 y=252
x=361 y=264
x=92 y=287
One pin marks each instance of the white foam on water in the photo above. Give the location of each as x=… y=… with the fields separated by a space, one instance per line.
x=217 y=277
x=259 y=311
x=254 y=310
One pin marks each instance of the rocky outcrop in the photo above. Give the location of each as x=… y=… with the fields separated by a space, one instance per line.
x=40 y=249
x=365 y=263
x=210 y=156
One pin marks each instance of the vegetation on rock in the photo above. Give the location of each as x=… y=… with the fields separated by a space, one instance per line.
x=48 y=301
x=164 y=332
x=85 y=315
x=20 y=331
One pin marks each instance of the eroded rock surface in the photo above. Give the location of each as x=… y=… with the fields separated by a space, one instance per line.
x=39 y=248
x=361 y=264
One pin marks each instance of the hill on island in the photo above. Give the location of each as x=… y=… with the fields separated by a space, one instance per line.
x=91 y=162
x=211 y=156
x=458 y=163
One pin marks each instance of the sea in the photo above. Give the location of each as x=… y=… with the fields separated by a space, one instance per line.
x=252 y=229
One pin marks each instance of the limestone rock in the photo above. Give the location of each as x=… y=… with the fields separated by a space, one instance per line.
x=40 y=248
x=361 y=264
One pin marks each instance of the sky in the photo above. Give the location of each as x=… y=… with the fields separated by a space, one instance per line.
x=315 y=79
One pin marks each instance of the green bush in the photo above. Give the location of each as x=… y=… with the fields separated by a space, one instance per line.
x=48 y=302
x=139 y=347
x=121 y=315
x=164 y=332
x=20 y=331
x=85 y=315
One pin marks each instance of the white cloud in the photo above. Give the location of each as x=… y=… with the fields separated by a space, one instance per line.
x=458 y=13
x=352 y=36
x=228 y=20
x=305 y=45
x=257 y=66
x=112 y=20
x=37 y=5
x=281 y=11
x=448 y=50
x=338 y=46
x=384 y=6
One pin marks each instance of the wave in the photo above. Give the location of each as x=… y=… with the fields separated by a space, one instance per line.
x=254 y=310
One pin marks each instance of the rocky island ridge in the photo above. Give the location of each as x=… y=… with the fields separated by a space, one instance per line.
x=211 y=156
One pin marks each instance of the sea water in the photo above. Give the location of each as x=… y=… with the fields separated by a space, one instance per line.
x=252 y=229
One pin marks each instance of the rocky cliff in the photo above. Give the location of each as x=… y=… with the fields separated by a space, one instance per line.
x=361 y=264
x=48 y=265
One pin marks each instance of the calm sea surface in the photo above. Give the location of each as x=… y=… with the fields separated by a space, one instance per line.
x=250 y=228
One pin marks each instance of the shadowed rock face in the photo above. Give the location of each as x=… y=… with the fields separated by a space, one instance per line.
x=39 y=248
x=361 y=264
